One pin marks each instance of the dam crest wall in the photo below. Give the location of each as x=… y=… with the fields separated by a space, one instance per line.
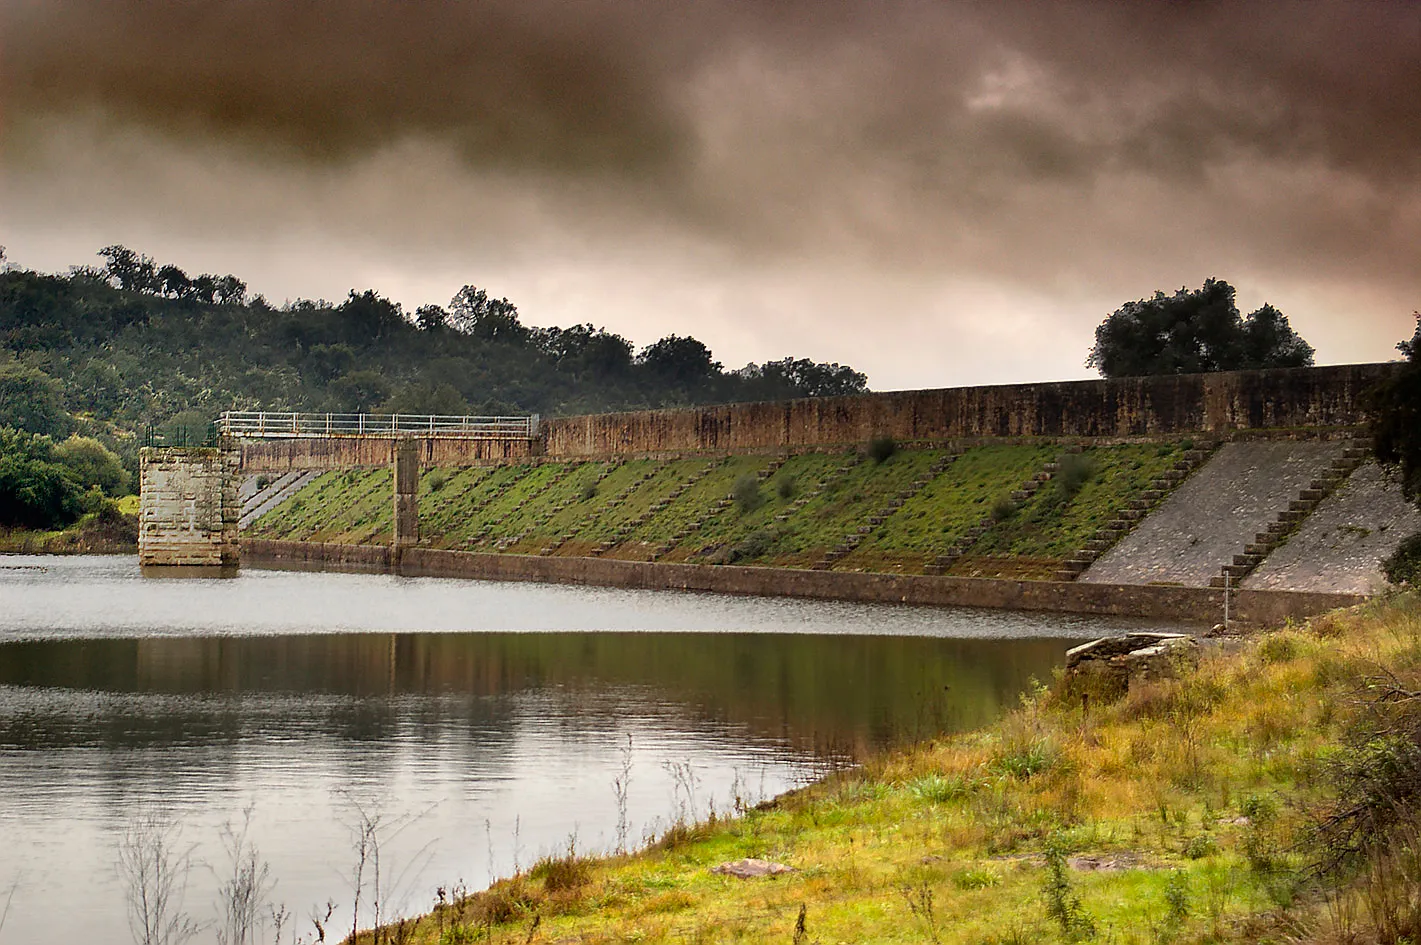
x=1184 y=404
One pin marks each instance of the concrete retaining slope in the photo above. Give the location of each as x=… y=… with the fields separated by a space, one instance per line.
x=1338 y=548
x=1215 y=513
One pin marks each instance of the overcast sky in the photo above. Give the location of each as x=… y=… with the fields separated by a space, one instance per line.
x=938 y=193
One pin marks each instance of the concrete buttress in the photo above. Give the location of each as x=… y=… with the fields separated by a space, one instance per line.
x=406 y=461
x=188 y=506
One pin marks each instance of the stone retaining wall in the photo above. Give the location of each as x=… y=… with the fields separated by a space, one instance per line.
x=1133 y=406
x=1250 y=607
x=1122 y=407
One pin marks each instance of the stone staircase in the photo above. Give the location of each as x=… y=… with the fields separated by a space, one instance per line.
x=876 y=520
x=588 y=520
x=1125 y=519
x=625 y=531
x=941 y=563
x=1278 y=531
x=585 y=520
x=478 y=537
x=276 y=492
x=721 y=505
x=564 y=470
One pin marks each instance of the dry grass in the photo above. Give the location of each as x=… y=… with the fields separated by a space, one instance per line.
x=1198 y=799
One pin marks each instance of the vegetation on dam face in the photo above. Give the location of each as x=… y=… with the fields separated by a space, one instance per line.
x=1000 y=509
x=1268 y=795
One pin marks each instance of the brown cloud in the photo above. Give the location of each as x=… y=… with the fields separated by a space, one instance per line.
x=1089 y=149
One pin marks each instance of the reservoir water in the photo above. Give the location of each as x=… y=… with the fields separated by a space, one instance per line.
x=479 y=725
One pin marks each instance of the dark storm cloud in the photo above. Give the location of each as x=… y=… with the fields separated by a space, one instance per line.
x=602 y=85
x=553 y=84
x=1096 y=150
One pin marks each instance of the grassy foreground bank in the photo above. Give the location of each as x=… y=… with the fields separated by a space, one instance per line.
x=1269 y=795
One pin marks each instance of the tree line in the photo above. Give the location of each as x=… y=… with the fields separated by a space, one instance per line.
x=111 y=350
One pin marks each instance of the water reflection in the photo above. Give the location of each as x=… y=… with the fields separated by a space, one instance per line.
x=302 y=694
x=817 y=691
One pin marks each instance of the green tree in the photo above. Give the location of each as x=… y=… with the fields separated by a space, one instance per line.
x=680 y=363
x=425 y=397
x=360 y=391
x=474 y=313
x=31 y=400
x=93 y=464
x=38 y=495
x=1194 y=331
x=1395 y=407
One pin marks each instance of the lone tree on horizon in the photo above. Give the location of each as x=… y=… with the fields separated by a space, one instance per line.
x=1192 y=332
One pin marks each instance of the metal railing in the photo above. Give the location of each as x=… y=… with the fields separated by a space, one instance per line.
x=253 y=424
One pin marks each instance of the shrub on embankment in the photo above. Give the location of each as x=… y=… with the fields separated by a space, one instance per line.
x=1268 y=795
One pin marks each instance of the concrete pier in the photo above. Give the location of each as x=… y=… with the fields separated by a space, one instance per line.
x=406 y=461
x=188 y=506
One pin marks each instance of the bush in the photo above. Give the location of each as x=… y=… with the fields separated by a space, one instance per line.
x=751 y=546
x=1403 y=566
x=589 y=492
x=562 y=872
x=1201 y=846
x=880 y=448
x=36 y=494
x=746 y=493
x=1076 y=469
x=786 y=487
x=1003 y=509
x=93 y=464
x=436 y=480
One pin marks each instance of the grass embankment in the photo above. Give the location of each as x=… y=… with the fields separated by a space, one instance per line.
x=789 y=512
x=113 y=529
x=1183 y=812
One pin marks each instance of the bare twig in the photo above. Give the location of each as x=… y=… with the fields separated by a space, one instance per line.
x=155 y=870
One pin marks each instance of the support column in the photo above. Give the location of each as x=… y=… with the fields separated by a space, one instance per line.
x=406 y=493
x=188 y=507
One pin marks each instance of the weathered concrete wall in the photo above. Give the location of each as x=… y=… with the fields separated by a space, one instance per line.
x=1137 y=406
x=281 y=456
x=1295 y=397
x=1164 y=603
x=188 y=506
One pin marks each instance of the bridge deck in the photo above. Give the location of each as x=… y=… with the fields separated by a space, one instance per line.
x=264 y=425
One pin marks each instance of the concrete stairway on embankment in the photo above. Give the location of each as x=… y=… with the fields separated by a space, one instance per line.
x=586 y=521
x=1131 y=515
x=1339 y=547
x=1288 y=520
x=1216 y=512
x=625 y=530
x=532 y=499
x=724 y=505
x=695 y=525
x=276 y=492
x=941 y=563
x=876 y=520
